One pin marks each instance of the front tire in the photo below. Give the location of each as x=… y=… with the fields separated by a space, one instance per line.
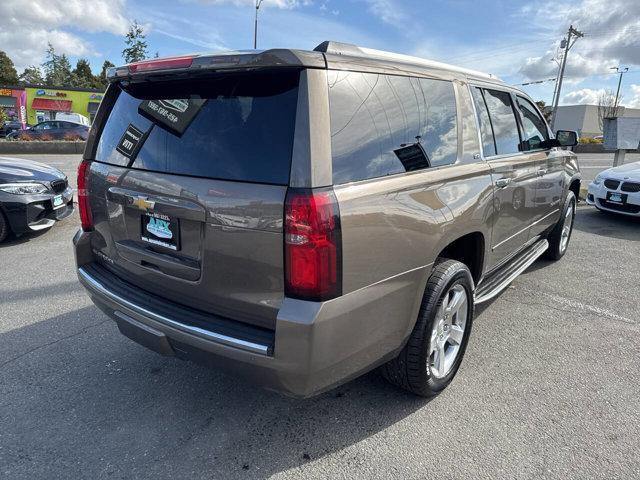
x=561 y=234
x=434 y=351
x=4 y=227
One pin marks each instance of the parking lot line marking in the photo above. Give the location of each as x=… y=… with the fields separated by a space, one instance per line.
x=575 y=304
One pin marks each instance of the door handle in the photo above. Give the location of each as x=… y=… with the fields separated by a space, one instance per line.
x=542 y=171
x=503 y=182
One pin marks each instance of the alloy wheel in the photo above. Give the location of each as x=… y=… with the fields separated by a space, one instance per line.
x=448 y=331
x=566 y=228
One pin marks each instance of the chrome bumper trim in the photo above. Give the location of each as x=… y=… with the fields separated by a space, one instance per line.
x=95 y=286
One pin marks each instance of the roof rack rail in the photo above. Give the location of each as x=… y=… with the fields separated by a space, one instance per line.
x=339 y=48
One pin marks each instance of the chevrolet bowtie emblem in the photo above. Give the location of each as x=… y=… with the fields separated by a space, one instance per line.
x=142 y=203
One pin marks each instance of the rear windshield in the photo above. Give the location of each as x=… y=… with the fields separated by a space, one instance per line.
x=231 y=127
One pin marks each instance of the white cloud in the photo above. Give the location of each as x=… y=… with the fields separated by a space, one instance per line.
x=25 y=29
x=635 y=101
x=388 y=11
x=584 y=96
x=288 y=4
x=612 y=36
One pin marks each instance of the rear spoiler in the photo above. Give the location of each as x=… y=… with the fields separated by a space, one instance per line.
x=236 y=60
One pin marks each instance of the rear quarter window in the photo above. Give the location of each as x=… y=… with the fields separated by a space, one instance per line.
x=383 y=124
x=242 y=130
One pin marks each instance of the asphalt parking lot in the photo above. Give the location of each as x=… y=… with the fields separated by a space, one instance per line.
x=548 y=387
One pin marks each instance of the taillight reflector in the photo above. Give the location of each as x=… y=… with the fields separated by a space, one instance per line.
x=86 y=219
x=161 y=64
x=313 y=245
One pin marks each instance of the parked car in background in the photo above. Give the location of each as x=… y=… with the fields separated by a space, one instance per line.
x=9 y=127
x=33 y=196
x=301 y=217
x=617 y=190
x=52 y=130
x=72 y=117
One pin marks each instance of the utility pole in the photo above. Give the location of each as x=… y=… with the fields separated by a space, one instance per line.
x=567 y=46
x=255 y=26
x=621 y=71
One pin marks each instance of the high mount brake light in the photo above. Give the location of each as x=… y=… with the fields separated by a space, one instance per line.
x=86 y=219
x=313 y=245
x=161 y=64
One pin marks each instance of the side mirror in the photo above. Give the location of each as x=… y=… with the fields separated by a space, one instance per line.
x=567 y=138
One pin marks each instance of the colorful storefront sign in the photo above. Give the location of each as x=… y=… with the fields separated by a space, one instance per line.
x=50 y=93
x=13 y=103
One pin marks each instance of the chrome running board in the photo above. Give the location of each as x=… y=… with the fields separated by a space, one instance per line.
x=492 y=285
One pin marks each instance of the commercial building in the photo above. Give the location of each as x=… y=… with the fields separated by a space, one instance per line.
x=33 y=104
x=584 y=119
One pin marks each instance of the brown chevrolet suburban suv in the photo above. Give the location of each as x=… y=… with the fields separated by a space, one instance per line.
x=302 y=217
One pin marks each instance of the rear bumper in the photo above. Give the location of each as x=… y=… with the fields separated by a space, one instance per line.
x=315 y=346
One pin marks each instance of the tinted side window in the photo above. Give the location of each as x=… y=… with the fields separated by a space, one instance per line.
x=535 y=128
x=383 y=124
x=503 y=121
x=486 y=132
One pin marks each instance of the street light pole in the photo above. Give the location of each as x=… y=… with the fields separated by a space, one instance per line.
x=621 y=71
x=255 y=25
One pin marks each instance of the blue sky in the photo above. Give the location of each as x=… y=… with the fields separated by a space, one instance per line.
x=514 y=39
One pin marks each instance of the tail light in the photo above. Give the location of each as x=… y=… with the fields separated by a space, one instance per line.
x=86 y=219
x=313 y=245
x=161 y=64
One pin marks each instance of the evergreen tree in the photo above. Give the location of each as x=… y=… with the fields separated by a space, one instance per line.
x=101 y=80
x=82 y=76
x=57 y=68
x=8 y=74
x=50 y=65
x=32 y=75
x=136 y=45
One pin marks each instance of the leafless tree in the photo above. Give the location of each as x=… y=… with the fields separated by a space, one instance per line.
x=608 y=107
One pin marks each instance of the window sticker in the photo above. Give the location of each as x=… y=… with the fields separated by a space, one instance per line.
x=131 y=142
x=413 y=157
x=173 y=115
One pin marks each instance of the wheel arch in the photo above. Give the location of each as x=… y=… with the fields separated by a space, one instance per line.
x=574 y=186
x=468 y=249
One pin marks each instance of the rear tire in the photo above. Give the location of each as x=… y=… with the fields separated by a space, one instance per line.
x=4 y=227
x=434 y=351
x=561 y=234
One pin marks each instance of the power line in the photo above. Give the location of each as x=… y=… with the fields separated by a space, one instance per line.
x=539 y=81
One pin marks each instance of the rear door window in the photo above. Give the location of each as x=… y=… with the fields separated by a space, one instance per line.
x=503 y=121
x=535 y=129
x=384 y=125
x=231 y=127
x=486 y=132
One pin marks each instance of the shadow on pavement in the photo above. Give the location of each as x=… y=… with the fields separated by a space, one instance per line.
x=82 y=401
x=40 y=292
x=14 y=240
x=591 y=220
